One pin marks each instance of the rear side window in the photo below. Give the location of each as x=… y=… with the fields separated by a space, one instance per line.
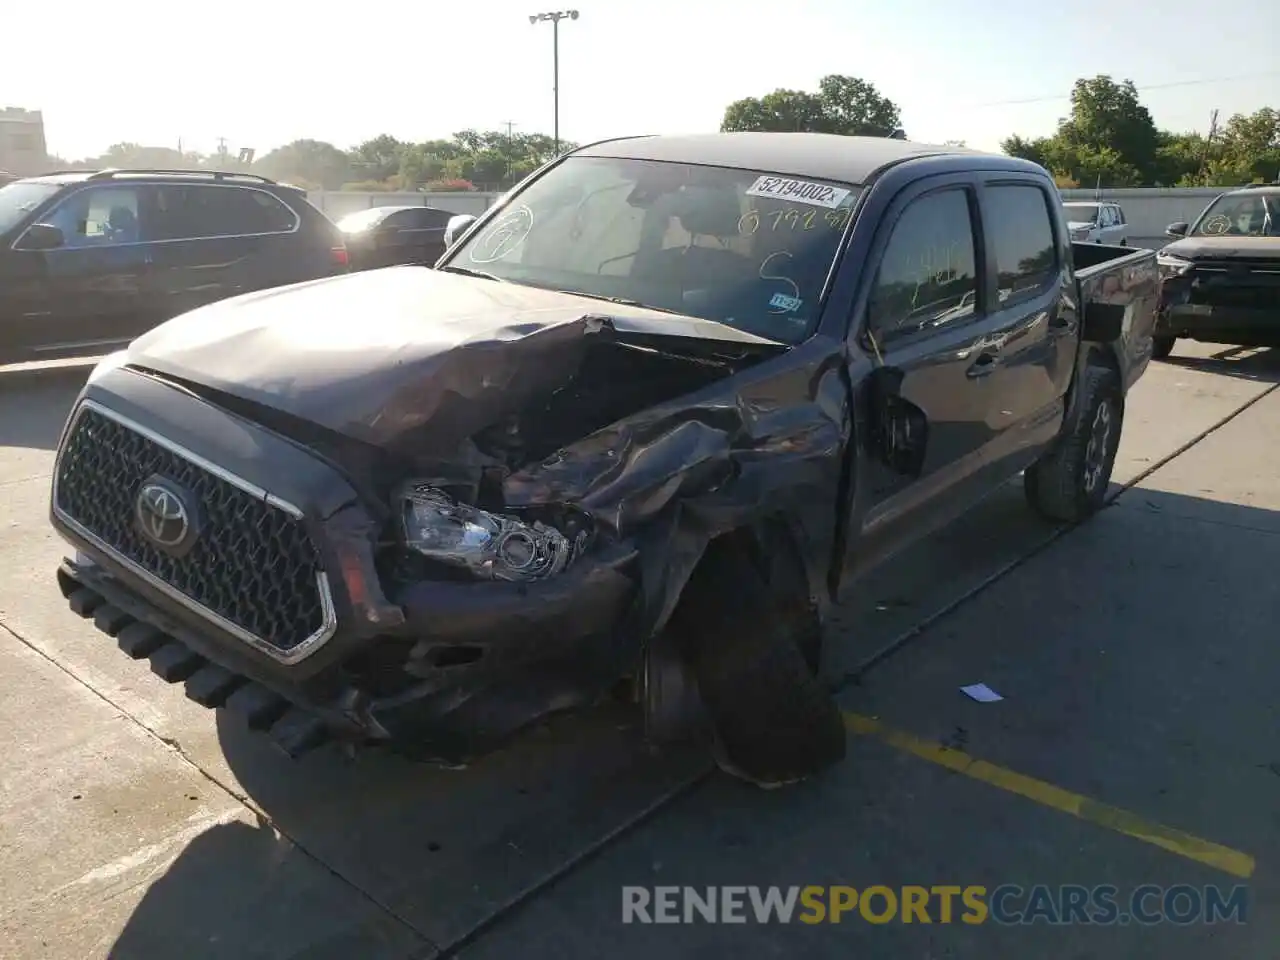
x=1017 y=217
x=199 y=211
x=928 y=278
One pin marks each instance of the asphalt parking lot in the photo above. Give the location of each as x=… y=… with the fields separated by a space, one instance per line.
x=1135 y=745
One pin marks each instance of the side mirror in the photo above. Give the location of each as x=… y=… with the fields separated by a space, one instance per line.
x=458 y=225
x=1178 y=229
x=42 y=236
x=899 y=429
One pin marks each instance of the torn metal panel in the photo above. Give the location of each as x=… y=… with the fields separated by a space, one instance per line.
x=767 y=444
x=406 y=359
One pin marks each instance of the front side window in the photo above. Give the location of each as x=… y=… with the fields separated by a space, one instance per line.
x=20 y=198
x=98 y=216
x=1021 y=231
x=1240 y=215
x=928 y=277
x=741 y=247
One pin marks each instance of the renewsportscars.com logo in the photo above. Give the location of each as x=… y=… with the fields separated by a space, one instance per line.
x=1007 y=904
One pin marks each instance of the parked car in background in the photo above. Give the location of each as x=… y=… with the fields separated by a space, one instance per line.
x=1096 y=222
x=88 y=261
x=1221 y=275
x=386 y=236
x=641 y=423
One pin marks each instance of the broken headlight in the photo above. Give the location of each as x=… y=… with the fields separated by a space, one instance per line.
x=490 y=545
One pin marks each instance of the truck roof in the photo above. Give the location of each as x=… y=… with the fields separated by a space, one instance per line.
x=826 y=156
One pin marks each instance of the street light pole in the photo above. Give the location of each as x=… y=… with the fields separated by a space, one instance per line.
x=555 y=17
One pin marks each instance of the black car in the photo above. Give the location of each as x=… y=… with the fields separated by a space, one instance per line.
x=634 y=432
x=1221 y=275
x=88 y=261
x=386 y=236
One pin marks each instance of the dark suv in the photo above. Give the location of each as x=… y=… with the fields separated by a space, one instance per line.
x=89 y=261
x=1221 y=274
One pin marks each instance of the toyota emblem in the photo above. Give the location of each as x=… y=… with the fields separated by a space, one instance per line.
x=163 y=516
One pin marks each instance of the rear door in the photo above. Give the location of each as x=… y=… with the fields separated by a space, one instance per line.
x=89 y=295
x=1033 y=324
x=1122 y=227
x=927 y=320
x=215 y=241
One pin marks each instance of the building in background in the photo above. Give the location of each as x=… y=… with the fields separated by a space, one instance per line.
x=22 y=143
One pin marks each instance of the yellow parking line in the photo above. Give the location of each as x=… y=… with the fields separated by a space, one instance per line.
x=1113 y=818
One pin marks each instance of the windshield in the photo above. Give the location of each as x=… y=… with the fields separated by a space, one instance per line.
x=742 y=247
x=1240 y=215
x=1080 y=212
x=21 y=197
x=362 y=220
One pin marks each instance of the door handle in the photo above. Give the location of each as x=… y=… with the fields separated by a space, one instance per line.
x=981 y=367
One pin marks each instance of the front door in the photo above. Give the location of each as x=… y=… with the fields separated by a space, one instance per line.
x=85 y=297
x=927 y=321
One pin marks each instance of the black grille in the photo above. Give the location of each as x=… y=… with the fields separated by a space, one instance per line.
x=252 y=564
x=1240 y=265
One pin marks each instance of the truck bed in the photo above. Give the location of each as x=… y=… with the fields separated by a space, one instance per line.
x=1119 y=294
x=1091 y=258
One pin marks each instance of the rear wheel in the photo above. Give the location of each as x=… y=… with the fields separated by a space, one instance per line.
x=1069 y=483
x=1161 y=347
x=774 y=721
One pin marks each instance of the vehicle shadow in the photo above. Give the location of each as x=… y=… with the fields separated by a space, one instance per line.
x=443 y=852
x=34 y=404
x=1246 y=363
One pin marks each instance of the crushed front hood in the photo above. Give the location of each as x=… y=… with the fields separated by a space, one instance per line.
x=376 y=354
x=1224 y=248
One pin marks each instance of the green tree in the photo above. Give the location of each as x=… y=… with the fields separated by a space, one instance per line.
x=1037 y=151
x=1104 y=167
x=1106 y=115
x=1250 y=146
x=379 y=158
x=856 y=108
x=843 y=104
x=310 y=163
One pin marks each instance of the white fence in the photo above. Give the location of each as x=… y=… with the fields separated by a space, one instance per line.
x=337 y=203
x=1148 y=209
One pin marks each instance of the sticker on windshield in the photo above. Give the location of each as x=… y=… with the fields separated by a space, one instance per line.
x=801 y=191
x=786 y=303
x=503 y=236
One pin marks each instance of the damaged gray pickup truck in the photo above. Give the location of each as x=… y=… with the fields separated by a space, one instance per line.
x=633 y=434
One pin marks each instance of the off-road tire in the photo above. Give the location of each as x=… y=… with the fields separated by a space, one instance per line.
x=773 y=719
x=1161 y=347
x=1056 y=486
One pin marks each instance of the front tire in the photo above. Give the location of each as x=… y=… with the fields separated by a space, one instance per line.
x=1161 y=347
x=1069 y=483
x=774 y=721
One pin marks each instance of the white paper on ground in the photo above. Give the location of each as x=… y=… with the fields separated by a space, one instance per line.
x=981 y=692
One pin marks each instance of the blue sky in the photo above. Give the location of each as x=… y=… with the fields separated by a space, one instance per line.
x=262 y=75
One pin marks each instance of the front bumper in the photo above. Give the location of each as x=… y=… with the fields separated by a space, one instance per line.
x=1246 y=326
x=388 y=670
